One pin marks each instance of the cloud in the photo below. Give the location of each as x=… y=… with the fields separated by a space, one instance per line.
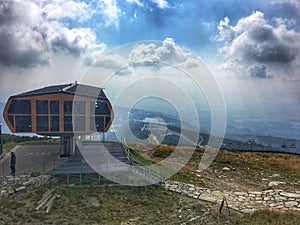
x=60 y=9
x=295 y=3
x=168 y=52
x=226 y=32
x=20 y=42
x=254 y=41
x=113 y=61
x=151 y=55
x=31 y=39
x=136 y=2
x=162 y=4
x=259 y=71
x=110 y=11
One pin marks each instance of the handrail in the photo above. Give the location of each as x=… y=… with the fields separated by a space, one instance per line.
x=141 y=167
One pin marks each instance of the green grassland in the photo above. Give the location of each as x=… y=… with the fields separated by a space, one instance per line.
x=127 y=205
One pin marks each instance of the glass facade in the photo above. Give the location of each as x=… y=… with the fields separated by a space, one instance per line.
x=99 y=108
x=79 y=107
x=107 y=120
x=68 y=123
x=68 y=107
x=97 y=123
x=20 y=107
x=54 y=107
x=42 y=123
x=42 y=107
x=47 y=117
x=11 y=120
x=79 y=123
x=54 y=123
x=23 y=124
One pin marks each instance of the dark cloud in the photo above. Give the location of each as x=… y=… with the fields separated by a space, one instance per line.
x=255 y=46
x=269 y=46
x=259 y=71
x=61 y=44
x=6 y=12
x=253 y=39
x=20 y=45
x=30 y=35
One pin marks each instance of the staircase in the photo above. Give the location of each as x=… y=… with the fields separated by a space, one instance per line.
x=91 y=155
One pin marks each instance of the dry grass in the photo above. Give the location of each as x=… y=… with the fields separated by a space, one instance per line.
x=248 y=170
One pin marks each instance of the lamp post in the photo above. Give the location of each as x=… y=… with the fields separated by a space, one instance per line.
x=1 y=149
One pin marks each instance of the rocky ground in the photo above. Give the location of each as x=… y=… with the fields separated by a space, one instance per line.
x=249 y=181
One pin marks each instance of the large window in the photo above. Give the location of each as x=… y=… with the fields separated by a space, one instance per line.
x=54 y=123
x=20 y=107
x=68 y=107
x=19 y=115
x=100 y=116
x=23 y=124
x=11 y=120
x=54 y=116
x=79 y=107
x=79 y=123
x=97 y=123
x=42 y=124
x=42 y=107
x=107 y=119
x=68 y=123
x=99 y=108
x=54 y=107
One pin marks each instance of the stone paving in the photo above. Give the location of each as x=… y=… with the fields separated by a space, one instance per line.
x=245 y=202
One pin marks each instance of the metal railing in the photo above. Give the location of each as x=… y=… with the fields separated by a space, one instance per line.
x=141 y=168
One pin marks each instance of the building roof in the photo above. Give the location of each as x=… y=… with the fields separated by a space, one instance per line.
x=71 y=88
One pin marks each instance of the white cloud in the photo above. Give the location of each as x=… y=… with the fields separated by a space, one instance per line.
x=136 y=2
x=253 y=40
x=168 y=52
x=110 y=11
x=226 y=33
x=113 y=61
x=162 y=4
x=59 y=9
x=295 y=3
x=152 y=55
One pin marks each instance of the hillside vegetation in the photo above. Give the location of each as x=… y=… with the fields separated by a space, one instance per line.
x=125 y=205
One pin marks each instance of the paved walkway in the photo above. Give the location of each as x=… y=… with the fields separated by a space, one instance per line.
x=31 y=158
x=245 y=202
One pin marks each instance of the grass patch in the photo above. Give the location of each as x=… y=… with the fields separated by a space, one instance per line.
x=128 y=205
x=10 y=145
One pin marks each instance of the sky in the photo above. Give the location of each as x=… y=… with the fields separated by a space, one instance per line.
x=251 y=47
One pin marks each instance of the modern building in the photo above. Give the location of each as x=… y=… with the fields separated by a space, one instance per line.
x=60 y=110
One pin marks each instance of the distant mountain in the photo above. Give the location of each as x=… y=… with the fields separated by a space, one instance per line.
x=239 y=136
